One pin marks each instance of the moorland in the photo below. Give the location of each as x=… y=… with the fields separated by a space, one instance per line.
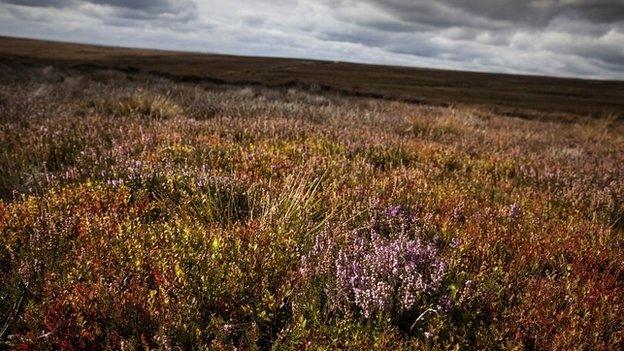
x=147 y=202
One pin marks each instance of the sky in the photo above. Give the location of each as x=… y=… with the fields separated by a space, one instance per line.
x=571 y=38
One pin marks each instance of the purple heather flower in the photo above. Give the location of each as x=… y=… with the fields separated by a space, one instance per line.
x=384 y=267
x=455 y=243
x=445 y=304
x=514 y=210
x=458 y=213
x=393 y=211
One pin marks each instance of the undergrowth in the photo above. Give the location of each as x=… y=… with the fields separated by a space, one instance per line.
x=140 y=213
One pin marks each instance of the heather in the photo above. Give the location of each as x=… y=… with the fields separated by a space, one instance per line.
x=384 y=269
x=139 y=212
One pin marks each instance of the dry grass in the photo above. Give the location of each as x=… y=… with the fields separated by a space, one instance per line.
x=143 y=104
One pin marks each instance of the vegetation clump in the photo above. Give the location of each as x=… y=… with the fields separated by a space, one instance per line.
x=386 y=268
x=146 y=104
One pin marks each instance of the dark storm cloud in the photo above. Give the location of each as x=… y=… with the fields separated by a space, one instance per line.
x=487 y=13
x=601 y=13
x=147 y=8
x=39 y=3
x=134 y=4
x=429 y=13
x=137 y=9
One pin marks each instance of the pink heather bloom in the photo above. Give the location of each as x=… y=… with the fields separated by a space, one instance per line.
x=377 y=272
x=514 y=210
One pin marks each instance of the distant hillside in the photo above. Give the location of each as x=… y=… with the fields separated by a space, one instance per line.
x=517 y=95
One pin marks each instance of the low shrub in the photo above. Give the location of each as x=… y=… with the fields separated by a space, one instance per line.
x=386 y=270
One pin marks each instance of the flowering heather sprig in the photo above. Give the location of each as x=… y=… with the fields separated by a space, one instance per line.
x=380 y=274
x=376 y=273
x=514 y=211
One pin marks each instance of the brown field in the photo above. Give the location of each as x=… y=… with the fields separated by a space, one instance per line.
x=517 y=95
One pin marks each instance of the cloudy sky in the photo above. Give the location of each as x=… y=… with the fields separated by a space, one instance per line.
x=579 y=38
